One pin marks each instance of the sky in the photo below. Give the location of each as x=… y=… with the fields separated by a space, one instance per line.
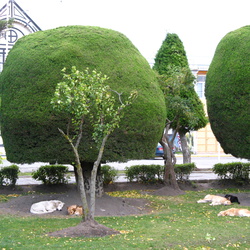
x=200 y=24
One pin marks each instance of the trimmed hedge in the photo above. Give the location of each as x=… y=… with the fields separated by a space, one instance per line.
x=145 y=173
x=9 y=175
x=155 y=173
x=28 y=83
x=237 y=171
x=227 y=92
x=183 y=171
x=51 y=174
x=110 y=174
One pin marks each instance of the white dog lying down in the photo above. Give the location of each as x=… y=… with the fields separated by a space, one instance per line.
x=215 y=200
x=235 y=212
x=44 y=207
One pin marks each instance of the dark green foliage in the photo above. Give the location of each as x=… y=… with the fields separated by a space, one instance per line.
x=9 y=175
x=171 y=53
x=51 y=174
x=31 y=72
x=228 y=93
x=183 y=171
x=196 y=117
x=184 y=107
x=155 y=173
x=109 y=174
x=237 y=171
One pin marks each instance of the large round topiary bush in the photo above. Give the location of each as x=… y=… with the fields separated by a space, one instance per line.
x=228 y=93
x=32 y=70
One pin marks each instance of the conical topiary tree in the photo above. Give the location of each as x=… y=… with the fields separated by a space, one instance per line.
x=31 y=72
x=228 y=93
x=171 y=53
x=184 y=109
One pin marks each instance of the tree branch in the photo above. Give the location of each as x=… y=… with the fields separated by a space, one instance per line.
x=79 y=137
x=119 y=95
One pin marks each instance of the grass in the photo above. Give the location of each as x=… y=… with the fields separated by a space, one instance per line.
x=175 y=223
x=25 y=174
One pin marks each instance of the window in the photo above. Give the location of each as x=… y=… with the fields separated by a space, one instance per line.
x=201 y=78
x=200 y=89
x=2 y=58
x=200 y=85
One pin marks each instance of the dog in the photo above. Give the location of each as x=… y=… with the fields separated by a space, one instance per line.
x=44 y=207
x=235 y=212
x=232 y=198
x=215 y=200
x=75 y=210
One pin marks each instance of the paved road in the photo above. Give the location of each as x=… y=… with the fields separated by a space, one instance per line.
x=201 y=161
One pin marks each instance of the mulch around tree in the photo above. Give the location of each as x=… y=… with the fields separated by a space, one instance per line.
x=105 y=206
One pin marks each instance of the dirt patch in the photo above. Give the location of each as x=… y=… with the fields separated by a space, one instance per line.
x=105 y=206
x=86 y=229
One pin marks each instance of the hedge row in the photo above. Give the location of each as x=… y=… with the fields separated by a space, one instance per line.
x=155 y=173
x=51 y=174
x=237 y=171
x=57 y=174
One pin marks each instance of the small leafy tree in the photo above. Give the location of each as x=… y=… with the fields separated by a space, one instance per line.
x=84 y=96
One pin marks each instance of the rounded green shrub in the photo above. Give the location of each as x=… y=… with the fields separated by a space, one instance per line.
x=228 y=93
x=51 y=174
x=110 y=174
x=9 y=175
x=32 y=70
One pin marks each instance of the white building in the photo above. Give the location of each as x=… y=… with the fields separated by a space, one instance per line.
x=204 y=140
x=22 y=25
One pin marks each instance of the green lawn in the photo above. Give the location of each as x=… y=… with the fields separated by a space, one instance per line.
x=175 y=223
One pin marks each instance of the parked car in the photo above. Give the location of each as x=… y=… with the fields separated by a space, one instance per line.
x=159 y=151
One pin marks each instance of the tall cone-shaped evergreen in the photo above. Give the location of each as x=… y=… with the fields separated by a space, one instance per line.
x=171 y=53
x=184 y=109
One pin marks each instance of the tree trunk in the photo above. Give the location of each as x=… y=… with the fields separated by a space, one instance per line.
x=170 y=160
x=86 y=170
x=185 y=149
x=169 y=176
x=80 y=179
x=80 y=185
x=93 y=177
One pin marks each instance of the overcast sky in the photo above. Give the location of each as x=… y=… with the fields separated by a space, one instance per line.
x=200 y=24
